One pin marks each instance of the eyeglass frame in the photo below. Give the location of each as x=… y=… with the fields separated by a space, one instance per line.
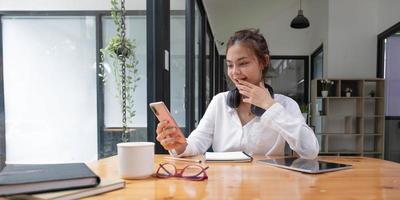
x=179 y=172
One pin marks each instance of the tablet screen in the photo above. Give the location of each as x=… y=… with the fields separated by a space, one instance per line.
x=305 y=165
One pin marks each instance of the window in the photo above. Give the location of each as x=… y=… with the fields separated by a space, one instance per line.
x=177 y=65
x=136 y=30
x=49 y=95
x=288 y=75
x=317 y=63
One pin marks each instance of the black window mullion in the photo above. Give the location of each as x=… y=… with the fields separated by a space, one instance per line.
x=2 y=110
x=211 y=66
x=190 y=69
x=223 y=76
x=202 y=64
x=313 y=55
x=100 y=89
x=216 y=71
x=158 y=78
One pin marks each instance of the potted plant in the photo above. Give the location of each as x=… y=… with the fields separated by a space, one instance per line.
x=348 y=92
x=325 y=85
x=121 y=56
x=304 y=110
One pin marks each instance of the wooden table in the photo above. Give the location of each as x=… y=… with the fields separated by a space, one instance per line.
x=368 y=179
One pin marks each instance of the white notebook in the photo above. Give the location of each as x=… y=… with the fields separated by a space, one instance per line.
x=233 y=156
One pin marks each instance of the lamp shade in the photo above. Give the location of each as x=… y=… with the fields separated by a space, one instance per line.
x=300 y=21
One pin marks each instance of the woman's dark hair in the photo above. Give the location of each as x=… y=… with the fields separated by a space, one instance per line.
x=254 y=40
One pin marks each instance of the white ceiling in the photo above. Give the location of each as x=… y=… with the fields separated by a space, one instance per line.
x=228 y=16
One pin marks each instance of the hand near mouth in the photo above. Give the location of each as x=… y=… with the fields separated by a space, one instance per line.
x=257 y=95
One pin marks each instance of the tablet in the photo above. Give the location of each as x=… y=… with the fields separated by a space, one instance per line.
x=305 y=165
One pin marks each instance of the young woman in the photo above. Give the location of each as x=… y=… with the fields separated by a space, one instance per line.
x=230 y=127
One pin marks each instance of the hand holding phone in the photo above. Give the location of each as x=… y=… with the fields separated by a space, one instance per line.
x=169 y=134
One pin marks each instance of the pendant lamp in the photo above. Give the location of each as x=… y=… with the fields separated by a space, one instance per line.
x=300 y=21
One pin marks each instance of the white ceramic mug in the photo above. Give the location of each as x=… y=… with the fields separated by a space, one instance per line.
x=136 y=159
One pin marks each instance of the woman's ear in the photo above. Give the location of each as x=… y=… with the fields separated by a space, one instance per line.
x=266 y=60
x=265 y=63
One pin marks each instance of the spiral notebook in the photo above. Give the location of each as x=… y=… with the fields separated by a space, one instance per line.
x=233 y=156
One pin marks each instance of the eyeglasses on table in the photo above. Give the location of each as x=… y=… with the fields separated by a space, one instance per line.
x=191 y=172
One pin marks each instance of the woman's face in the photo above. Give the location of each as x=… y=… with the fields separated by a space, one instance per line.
x=243 y=65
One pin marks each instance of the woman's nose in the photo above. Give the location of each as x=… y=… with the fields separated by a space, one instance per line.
x=236 y=70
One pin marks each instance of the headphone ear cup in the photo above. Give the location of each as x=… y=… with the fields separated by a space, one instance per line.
x=233 y=98
x=257 y=111
x=270 y=90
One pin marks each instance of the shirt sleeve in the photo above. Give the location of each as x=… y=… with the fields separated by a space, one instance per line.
x=201 y=138
x=290 y=124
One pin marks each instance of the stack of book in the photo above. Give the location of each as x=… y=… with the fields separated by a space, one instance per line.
x=52 y=181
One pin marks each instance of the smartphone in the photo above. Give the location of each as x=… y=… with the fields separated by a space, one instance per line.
x=162 y=113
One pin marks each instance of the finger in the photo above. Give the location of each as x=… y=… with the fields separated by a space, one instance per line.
x=245 y=83
x=166 y=133
x=246 y=94
x=247 y=100
x=160 y=126
x=168 y=142
x=159 y=138
x=244 y=88
x=169 y=131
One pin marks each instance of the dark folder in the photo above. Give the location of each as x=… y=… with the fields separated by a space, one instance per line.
x=33 y=178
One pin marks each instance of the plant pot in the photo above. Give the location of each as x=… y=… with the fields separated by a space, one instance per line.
x=348 y=94
x=324 y=93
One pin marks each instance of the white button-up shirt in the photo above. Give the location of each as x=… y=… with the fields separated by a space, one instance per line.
x=266 y=135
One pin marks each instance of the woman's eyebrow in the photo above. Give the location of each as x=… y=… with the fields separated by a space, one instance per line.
x=242 y=58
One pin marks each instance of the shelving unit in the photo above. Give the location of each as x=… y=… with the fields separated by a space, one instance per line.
x=351 y=126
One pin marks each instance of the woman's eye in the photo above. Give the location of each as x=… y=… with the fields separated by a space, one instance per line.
x=229 y=65
x=243 y=63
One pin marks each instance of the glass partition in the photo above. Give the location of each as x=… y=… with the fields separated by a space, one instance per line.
x=136 y=30
x=177 y=64
x=49 y=88
x=288 y=77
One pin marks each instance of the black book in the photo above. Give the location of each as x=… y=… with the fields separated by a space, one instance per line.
x=33 y=178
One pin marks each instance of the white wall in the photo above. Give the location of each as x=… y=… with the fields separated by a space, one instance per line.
x=273 y=17
x=352 y=39
x=282 y=39
x=318 y=16
x=388 y=14
x=353 y=29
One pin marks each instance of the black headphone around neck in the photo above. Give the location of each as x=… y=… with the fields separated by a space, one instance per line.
x=233 y=100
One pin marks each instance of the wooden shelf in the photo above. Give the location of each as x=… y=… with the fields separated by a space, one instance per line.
x=339 y=134
x=340 y=152
x=341 y=98
x=366 y=152
x=352 y=125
